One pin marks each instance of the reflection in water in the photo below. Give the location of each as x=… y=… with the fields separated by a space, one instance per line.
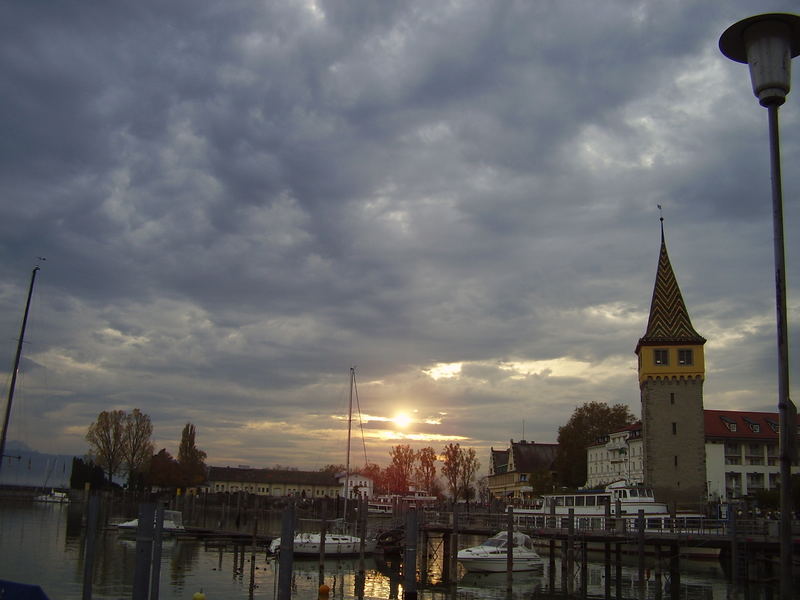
x=43 y=545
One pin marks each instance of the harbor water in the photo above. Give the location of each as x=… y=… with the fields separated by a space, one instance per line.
x=44 y=545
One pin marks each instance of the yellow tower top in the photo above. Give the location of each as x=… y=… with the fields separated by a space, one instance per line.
x=670 y=347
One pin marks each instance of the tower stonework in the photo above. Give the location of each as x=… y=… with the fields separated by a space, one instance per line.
x=671 y=375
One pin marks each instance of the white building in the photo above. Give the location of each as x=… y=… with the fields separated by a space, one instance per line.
x=358 y=486
x=741 y=455
x=618 y=455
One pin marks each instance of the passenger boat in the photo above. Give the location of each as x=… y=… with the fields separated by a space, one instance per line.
x=616 y=507
x=336 y=544
x=173 y=523
x=491 y=556
x=53 y=497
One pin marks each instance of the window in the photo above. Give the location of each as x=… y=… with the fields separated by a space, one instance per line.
x=676 y=460
x=661 y=357
x=685 y=357
x=523 y=477
x=672 y=397
x=674 y=428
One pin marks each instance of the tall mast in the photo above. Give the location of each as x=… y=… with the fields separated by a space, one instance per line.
x=16 y=368
x=349 y=430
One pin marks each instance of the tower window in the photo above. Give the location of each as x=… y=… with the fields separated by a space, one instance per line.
x=674 y=428
x=676 y=460
x=672 y=397
x=685 y=357
x=661 y=357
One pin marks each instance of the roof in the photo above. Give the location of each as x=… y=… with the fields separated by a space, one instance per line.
x=499 y=460
x=530 y=457
x=669 y=321
x=271 y=476
x=736 y=424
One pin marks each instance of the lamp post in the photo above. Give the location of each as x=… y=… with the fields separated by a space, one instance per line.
x=767 y=43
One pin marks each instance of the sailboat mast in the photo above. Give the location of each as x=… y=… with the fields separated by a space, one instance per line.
x=16 y=368
x=349 y=431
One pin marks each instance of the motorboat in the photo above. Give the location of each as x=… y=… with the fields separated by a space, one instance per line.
x=54 y=497
x=491 y=556
x=336 y=544
x=173 y=523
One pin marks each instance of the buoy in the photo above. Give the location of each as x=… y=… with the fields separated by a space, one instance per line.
x=199 y=596
x=324 y=590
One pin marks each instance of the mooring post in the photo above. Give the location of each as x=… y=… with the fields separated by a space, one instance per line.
x=286 y=554
x=92 y=514
x=454 y=545
x=675 y=571
x=323 y=532
x=570 y=551
x=362 y=528
x=410 y=559
x=552 y=565
x=155 y=575
x=144 y=551
x=640 y=523
x=584 y=569
x=607 y=548
x=510 y=550
x=618 y=560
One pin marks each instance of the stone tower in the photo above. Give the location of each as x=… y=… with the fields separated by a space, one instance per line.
x=671 y=374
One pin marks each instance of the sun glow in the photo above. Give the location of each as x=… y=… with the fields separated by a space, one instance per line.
x=402 y=420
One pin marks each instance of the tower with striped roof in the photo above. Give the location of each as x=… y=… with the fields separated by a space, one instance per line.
x=671 y=375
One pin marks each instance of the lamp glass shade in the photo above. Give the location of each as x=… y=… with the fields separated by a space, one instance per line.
x=768 y=45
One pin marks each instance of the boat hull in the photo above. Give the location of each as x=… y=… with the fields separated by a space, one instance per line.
x=310 y=544
x=499 y=564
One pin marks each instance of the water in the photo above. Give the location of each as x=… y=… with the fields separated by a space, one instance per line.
x=43 y=545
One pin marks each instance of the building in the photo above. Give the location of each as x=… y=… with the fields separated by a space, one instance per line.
x=618 y=455
x=270 y=482
x=360 y=486
x=741 y=454
x=671 y=375
x=522 y=471
x=741 y=449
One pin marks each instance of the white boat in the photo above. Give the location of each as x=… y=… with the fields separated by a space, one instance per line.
x=491 y=556
x=616 y=506
x=173 y=523
x=53 y=497
x=336 y=544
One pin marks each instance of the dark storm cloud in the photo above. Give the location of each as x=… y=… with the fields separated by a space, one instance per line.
x=239 y=201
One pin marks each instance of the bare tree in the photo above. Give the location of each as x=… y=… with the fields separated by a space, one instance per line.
x=137 y=449
x=451 y=467
x=426 y=470
x=468 y=467
x=403 y=459
x=106 y=441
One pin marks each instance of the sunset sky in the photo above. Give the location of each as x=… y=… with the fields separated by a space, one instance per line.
x=240 y=200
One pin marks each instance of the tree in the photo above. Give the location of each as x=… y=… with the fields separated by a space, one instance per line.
x=587 y=423
x=190 y=458
x=451 y=459
x=426 y=470
x=106 y=441
x=164 y=470
x=85 y=471
x=333 y=469
x=403 y=459
x=467 y=469
x=137 y=449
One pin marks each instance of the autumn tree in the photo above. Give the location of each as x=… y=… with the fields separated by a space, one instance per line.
x=375 y=473
x=467 y=469
x=191 y=459
x=137 y=449
x=106 y=437
x=403 y=461
x=164 y=470
x=451 y=465
x=333 y=469
x=425 y=473
x=587 y=423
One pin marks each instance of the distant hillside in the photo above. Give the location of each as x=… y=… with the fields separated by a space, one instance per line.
x=34 y=468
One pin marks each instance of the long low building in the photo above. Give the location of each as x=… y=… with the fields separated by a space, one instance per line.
x=271 y=482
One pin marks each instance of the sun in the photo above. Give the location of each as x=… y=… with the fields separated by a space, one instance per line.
x=402 y=420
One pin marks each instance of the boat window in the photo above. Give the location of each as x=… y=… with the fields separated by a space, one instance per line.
x=559 y=500
x=569 y=501
x=590 y=500
x=601 y=500
x=579 y=500
x=634 y=493
x=623 y=493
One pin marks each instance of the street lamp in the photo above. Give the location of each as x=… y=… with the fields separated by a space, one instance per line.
x=767 y=43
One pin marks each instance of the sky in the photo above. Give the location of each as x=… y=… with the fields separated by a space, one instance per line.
x=240 y=201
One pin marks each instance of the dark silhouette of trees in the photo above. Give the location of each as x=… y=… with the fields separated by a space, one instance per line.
x=403 y=461
x=137 y=449
x=459 y=468
x=164 y=470
x=106 y=441
x=587 y=423
x=425 y=473
x=85 y=471
x=191 y=459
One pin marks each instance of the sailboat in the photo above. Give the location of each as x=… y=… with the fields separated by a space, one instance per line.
x=336 y=544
